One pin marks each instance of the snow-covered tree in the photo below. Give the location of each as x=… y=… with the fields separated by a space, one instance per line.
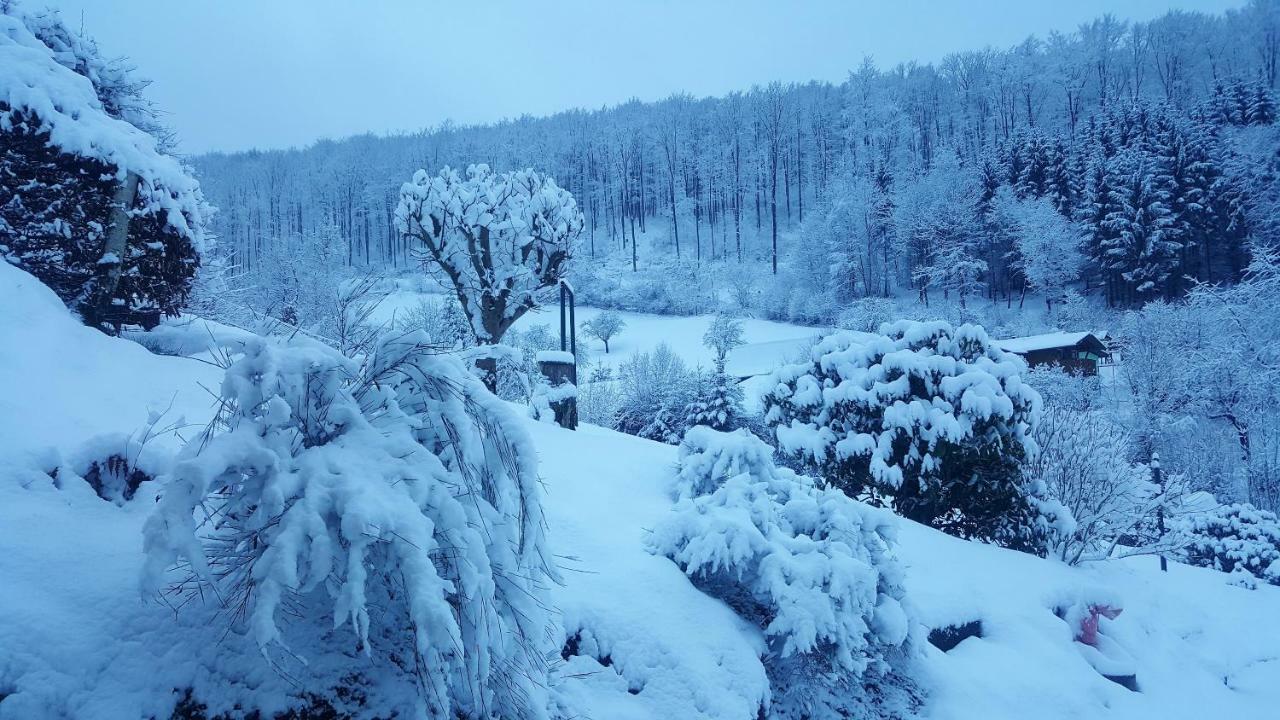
x=498 y=240
x=938 y=227
x=90 y=203
x=1048 y=246
x=935 y=419
x=723 y=335
x=398 y=496
x=716 y=403
x=604 y=327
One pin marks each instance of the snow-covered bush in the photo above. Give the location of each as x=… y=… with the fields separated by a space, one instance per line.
x=655 y=389
x=397 y=495
x=1234 y=539
x=441 y=319
x=812 y=568
x=91 y=203
x=598 y=398
x=867 y=314
x=936 y=420
x=1085 y=466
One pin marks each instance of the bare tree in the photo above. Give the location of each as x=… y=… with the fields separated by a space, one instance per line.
x=771 y=109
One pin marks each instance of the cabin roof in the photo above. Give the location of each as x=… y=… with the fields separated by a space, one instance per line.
x=1046 y=341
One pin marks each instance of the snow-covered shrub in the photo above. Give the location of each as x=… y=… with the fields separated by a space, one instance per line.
x=397 y=495
x=1084 y=463
x=598 y=398
x=91 y=203
x=655 y=389
x=932 y=418
x=867 y=314
x=441 y=319
x=812 y=568
x=1234 y=539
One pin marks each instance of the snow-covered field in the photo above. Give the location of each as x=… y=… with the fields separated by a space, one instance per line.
x=76 y=641
x=767 y=343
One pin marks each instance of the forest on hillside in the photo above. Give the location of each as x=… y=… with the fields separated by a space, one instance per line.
x=1152 y=142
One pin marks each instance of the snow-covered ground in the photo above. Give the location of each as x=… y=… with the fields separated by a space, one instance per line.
x=77 y=642
x=767 y=343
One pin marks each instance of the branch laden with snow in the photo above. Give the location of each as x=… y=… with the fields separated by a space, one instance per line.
x=499 y=240
x=397 y=496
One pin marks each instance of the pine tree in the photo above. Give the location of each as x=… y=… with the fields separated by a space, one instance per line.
x=1137 y=246
x=1059 y=185
x=1093 y=215
x=716 y=404
x=1262 y=105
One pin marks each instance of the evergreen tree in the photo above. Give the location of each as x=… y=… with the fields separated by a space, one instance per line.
x=1059 y=185
x=893 y=427
x=1137 y=245
x=717 y=402
x=113 y=226
x=1262 y=105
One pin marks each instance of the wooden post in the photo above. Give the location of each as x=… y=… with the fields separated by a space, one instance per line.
x=561 y=371
x=1158 y=477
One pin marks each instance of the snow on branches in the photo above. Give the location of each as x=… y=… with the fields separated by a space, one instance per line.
x=934 y=418
x=398 y=496
x=497 y=239
x=91 y=202
x=1237 y=539
x=41 y=95
x=811 y=567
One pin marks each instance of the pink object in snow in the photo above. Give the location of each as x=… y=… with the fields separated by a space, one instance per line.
x=1089 y=624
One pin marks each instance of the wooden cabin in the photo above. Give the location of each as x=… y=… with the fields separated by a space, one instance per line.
x=1079 y=352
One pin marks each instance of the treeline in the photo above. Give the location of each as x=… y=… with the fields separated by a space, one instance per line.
x=725 y=178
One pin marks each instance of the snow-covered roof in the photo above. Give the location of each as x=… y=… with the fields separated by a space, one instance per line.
x=68 y=108
x=1031 y=343
x=554 y=356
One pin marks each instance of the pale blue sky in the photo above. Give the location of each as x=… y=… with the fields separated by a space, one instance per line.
x=235 y=74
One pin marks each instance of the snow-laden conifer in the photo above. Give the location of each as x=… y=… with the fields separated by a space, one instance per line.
x=811 y=567
x=932 y=419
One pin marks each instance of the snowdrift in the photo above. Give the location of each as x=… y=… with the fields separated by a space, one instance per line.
x=639 y=641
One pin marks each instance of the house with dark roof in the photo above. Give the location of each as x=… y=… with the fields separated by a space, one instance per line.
x=1079 y=352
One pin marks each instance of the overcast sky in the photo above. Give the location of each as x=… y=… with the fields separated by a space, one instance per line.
x=237 y=74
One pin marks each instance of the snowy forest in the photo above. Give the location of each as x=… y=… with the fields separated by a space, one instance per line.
x=948 y=390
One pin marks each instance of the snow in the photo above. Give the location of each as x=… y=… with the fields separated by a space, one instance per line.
x=762 y=358
x=554 y=356
x=69 y=110
x=65 y=383
x=643 y=332
x=1045 y=341
x=76 y=642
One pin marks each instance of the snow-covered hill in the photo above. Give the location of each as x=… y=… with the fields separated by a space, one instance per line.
x=641 y=641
